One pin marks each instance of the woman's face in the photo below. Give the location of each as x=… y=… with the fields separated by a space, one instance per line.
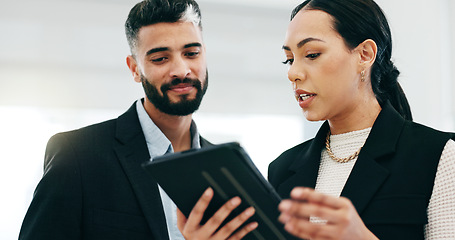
x=325 y=74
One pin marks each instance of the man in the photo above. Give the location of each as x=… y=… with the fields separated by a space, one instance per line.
x=93 y=185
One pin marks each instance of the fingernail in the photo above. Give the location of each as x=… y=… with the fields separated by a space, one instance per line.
x=289 y=227
x=250 y=211
x=235 y=201
x=252 y=225
x=208 y=192
x=284 y=205
x=296 y=192
x=284 y=218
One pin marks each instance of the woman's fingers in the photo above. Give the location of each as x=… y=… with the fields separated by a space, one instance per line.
x=310 y=195
x=303 y=228
x=305 y=210
x=313 y=215
x=295 y=214
x=306 y=202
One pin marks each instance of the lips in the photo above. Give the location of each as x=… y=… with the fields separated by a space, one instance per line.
x=181 y=85
x=304 y=97
x=179 y=88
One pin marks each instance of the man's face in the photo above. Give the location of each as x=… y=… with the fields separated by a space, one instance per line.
x=170 y=62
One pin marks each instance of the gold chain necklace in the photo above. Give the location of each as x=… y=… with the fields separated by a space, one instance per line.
x=335 y=158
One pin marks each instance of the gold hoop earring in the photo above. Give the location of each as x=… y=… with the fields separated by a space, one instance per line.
x=362 y=76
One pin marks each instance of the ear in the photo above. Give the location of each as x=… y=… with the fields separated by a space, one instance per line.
x=367 y=51
x=132 y=65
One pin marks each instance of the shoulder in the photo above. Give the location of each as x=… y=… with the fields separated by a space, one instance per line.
x=87 y=134
x=95 y=138
x=421 y=145
x=68 y=144
x=390 y=124
x=416 y=133
x=286 y=155
x=417 y=128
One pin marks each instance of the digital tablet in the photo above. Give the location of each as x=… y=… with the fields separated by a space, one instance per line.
x=229 y=171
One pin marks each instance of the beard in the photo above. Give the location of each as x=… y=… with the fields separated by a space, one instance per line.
x=184 y=106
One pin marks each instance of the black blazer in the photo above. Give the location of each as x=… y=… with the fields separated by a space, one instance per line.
x=94 y=187
x=391 y=182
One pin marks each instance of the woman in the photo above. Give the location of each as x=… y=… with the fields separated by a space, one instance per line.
x=395 y=177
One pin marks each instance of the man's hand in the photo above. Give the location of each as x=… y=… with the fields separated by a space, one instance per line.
x=191 y=228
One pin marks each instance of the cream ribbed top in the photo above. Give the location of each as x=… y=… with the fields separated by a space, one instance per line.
x=441 y=210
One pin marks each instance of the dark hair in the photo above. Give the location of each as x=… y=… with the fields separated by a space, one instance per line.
x=149 y=12
x=357 y=21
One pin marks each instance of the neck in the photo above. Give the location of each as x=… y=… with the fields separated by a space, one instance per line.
x=360 y=116
x=175 y=128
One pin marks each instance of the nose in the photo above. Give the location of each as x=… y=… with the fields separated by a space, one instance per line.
x=180 y=68
x=295 y=73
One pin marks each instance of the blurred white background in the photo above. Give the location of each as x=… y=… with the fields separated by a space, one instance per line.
x=62 y=66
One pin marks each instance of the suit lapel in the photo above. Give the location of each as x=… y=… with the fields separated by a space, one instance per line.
x=204 y=142
x=131 y=149
x=305 y=165
x=368 y=175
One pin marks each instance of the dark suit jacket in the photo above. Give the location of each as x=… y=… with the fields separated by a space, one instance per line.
x=94 y=187
x=391 y=182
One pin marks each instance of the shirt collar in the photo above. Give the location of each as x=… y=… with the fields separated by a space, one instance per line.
x=158 y=144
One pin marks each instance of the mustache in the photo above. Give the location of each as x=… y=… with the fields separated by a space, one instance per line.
x=167 y=86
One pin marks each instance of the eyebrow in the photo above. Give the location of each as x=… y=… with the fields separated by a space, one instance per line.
x=195 y=44
x=154 y=50
x=303 y=42
x=162 y=49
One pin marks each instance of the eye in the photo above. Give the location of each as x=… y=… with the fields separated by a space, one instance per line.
x=288 y=61
x=313 y=56
x=192 y=54
x=159 y=60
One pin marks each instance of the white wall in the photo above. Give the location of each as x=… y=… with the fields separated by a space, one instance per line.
x=423 y=34
x=62 y=66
